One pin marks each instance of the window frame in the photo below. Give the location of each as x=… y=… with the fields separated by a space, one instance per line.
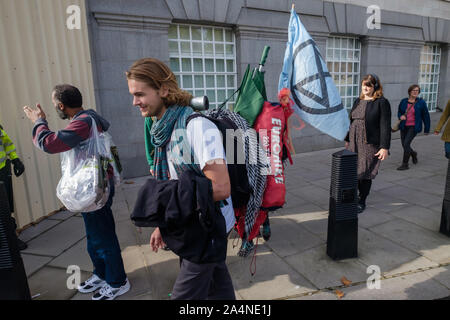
x=224 y=74
x=336 y=47
x=430 y=61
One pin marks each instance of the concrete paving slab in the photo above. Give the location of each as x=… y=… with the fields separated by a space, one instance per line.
x=431 y=166
x=299 y=209
x=384 y=202
x=143 y=296
x=127 y=234
x=62 y=215
x=432 y=245
x=380 y=184
x=387 y=255
x=418 y=286
x=273 y=279
x=51 y=284
x=416 y=264
x=38 y=229
x=131 y=196
x=314 y=194
x=322 y=183
x=32 y=263
x=439 y=179
x=294 y=181
x=143 y=235
x=58 y=239
x=293 y=199
x=120 y=211
x=119 y=194
x=442 y=275
x=137 y=272
x=134 y=182
x=422 y=185
x=322 y=271
x=163 y=267
x=289 y=237
x=315 y=220
x=437 y=208
x=317 y=296
x=314 y=175
x=82 y=296
x=389 y=175
x=421 y=216
x=372 y=217
x=417 y=172
x=412 y=196
x=76 y=255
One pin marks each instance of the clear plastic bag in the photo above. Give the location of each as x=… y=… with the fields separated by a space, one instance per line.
x=114 y=156
x=84 y=185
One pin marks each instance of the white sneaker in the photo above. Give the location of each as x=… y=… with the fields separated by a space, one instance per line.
x=109 y=293
x=91 y=284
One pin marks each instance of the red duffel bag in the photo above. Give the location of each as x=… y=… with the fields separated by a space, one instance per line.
x=271 y=126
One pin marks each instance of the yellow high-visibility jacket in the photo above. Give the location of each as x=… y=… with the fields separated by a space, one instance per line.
x=7 y=149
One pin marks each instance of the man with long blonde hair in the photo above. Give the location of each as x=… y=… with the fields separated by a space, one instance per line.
x=155 y=91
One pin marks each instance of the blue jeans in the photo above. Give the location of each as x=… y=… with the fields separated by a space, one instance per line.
x=102 y=244
x=447 y=150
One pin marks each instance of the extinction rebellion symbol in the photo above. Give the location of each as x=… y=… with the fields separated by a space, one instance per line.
x=321 y=75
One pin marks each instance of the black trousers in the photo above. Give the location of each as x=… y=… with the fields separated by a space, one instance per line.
x=407 y=135
x=5 y=177
x=364 y=189
x=207 y=281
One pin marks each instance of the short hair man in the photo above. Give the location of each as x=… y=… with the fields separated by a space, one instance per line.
x=102 y=244
x=155 y=91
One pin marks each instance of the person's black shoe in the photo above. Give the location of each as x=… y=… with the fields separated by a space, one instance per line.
x=360 y=208
x=404 y=166
x=414 y=157
x=21 y=244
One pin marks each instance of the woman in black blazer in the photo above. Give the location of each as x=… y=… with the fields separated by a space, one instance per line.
x=370 y=133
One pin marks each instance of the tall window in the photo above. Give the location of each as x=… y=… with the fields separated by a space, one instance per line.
x=204 y=61
x=343 y=63
x=430 y=59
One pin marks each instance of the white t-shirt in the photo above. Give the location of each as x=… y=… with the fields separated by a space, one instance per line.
x=206 y=142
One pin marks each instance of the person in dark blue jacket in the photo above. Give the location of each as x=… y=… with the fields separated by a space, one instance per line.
x=413 y=111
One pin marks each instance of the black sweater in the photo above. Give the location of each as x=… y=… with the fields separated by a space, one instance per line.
x=191 y=223
x=378 y=122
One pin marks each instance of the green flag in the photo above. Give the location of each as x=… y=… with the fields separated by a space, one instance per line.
x=252 y=92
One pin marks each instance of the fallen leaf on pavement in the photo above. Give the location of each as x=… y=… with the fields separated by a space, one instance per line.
x=345 y=281
x=339 y=294
x=129 y=182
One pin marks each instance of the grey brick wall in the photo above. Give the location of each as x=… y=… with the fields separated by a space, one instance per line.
x=122 y=31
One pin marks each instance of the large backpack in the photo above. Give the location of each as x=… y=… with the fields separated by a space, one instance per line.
x=240 y=188
x=248 y=180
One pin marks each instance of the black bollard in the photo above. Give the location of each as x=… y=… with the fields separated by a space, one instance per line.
x=445 y=217
x=342 y=237
x=13 y=279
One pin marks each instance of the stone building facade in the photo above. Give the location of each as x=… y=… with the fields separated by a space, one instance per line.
x=212 y=42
